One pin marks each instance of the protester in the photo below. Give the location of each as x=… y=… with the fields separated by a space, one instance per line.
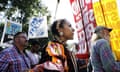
x=33 y=53
x=13 y=59
x=82 y=63
x=56 y=57
x=101 y=55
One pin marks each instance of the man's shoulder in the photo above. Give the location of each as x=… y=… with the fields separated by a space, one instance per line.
x=7 y=50
x=101 y=41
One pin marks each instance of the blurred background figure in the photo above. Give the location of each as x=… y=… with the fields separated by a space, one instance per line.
x=33 y=53
x=82 y=63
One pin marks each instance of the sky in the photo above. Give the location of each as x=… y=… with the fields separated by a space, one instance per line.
x=63 y=11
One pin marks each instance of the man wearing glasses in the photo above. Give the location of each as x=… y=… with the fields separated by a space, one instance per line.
x=13 y=59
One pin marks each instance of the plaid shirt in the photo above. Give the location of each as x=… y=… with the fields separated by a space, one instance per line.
x=102 y=58
x=12 y=61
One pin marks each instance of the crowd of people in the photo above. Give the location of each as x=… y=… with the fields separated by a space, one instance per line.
x=55 y=56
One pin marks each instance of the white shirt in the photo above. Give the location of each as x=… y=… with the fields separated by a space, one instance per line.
x=34 y=57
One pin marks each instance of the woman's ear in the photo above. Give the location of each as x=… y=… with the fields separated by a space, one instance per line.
x=61 y=33
x=60 y=30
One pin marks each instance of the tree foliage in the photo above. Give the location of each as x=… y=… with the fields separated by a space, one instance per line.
x=27 y=9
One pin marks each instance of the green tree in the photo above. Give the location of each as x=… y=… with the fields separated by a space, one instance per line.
x=26 y=8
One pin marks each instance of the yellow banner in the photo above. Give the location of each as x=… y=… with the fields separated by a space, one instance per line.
x=106 y=14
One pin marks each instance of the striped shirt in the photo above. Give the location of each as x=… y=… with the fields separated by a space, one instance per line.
x=13 y=61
